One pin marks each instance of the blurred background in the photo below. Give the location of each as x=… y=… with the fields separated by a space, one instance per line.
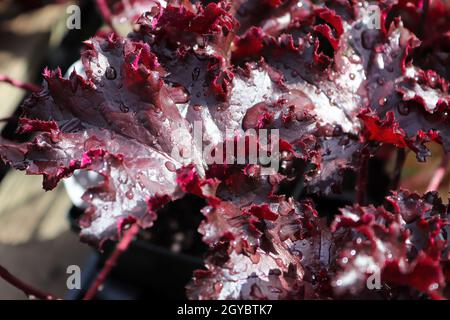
x=36 y=242
x=37 y=237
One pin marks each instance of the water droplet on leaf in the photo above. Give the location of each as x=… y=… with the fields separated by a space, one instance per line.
x=354 y=58
x=170 y=166
x=403 y=109
x=129 y=194
x=110 y=73
x=124 y=108
x=180 y=94
x=195 y=73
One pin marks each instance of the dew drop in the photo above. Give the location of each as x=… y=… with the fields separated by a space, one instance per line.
x=354 y=58
x=170 y=166
x=403 y=109
x=195 y=73
x=337 y=131
x=352 y=76
x=110 y=73
x=382 y=101
x=184 y=152
x=344 y=141
x=124 y=108
x=433 y=286
x=197 y=107
x=129 y=194
x=433 y=81
x=180 y=94
x=298 y=253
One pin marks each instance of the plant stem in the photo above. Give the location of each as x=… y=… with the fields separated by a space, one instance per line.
x=399 y=162
x=19 y=84
x=25 y=288
x=438 y=175
x=121 y=247
x=361 y=183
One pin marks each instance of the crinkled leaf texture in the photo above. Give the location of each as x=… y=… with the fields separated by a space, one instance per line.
x=407 y=247
x=284 y=250
x=333 y=86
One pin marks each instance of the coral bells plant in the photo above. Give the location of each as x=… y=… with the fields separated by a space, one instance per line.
x=342 y=82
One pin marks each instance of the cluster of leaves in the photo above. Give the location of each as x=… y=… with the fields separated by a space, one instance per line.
x=337 y=89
